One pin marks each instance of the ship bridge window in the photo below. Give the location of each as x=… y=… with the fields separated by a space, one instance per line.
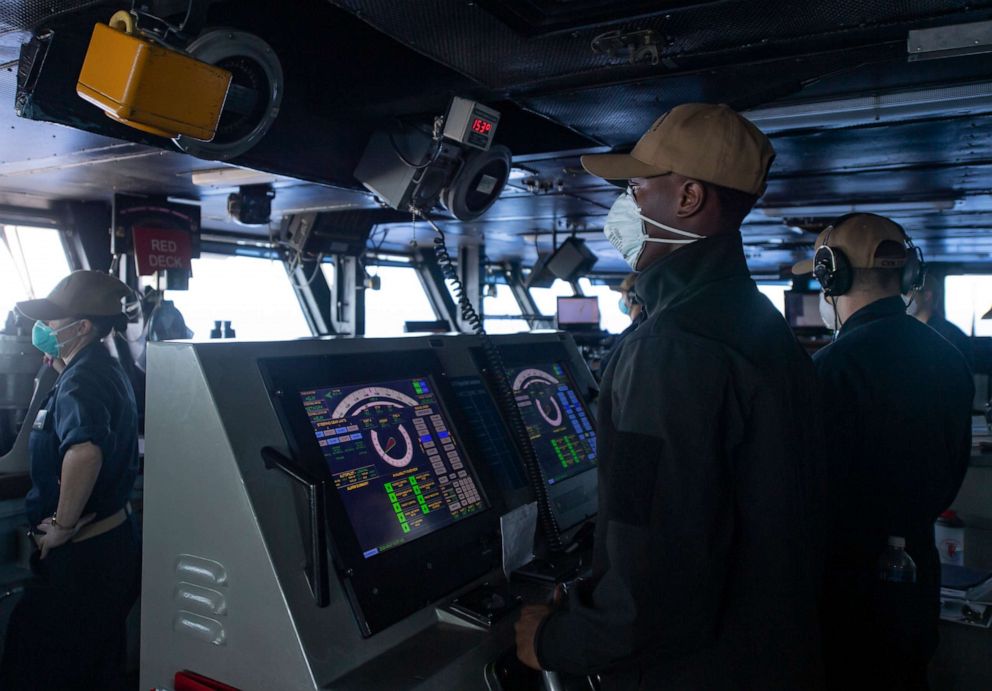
x=400 y=298
x=611 y=318
x=254 y=294
x=32 y=261
x=546 y=299
x=967 y=299
x=502 y=312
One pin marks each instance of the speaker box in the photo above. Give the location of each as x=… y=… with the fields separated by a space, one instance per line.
x=571 y=260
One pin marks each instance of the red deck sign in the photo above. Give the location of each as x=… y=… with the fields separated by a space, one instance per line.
x=157 y=249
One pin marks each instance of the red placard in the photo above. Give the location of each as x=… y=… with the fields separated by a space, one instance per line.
x=157 y=249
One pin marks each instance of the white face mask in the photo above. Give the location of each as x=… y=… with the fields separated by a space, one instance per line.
x=828 y=313
x=912 y=304
x=624 y=229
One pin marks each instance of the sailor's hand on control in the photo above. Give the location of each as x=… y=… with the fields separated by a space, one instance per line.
x=531 y=617
x=54 y=535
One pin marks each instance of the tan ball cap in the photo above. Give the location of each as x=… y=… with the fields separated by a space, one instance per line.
x=701 y=141
x=858 y=237
x=80 y=294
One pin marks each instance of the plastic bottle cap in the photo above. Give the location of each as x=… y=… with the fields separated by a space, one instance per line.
x=896 y=541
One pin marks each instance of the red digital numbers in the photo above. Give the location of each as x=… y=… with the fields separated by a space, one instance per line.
x=482 y=126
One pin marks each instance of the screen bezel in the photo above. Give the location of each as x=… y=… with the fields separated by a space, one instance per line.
x=387 y=587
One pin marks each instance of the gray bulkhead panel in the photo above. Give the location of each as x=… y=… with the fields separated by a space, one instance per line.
x=238 y=608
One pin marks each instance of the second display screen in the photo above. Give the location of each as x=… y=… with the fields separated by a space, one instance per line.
x=561 y=433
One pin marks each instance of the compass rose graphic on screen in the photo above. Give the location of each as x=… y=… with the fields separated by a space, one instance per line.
x=540 y=387
x=391 y=442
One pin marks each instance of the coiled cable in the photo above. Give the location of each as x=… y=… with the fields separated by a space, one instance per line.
x=504 y=392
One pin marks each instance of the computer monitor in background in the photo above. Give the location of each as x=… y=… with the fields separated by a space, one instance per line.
x=802 y=310
x=578 y=313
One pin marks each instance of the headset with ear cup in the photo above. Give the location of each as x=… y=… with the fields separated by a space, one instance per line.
x=833 y=270
x=914 y=271
x=831 y=266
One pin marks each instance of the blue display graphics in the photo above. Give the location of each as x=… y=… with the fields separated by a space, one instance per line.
x=560 y=430
x=399 y=471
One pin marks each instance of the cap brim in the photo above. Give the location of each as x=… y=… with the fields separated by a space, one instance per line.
x=41 y=310
x=619 y=167
x=802 y=268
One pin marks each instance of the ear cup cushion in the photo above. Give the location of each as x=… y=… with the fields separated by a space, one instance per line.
x=823 y=268
x=833 y=270
x=913 y=272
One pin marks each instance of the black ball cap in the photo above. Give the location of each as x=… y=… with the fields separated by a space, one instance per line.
x=80 y=294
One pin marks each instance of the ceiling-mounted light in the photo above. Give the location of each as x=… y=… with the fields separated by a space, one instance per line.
x=232 y=176
x=874 y=108
x=950 y=41
x=830 y=210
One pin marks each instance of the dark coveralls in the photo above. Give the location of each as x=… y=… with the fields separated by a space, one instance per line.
x=955 y=336
x=68 y=630
x=897 y=407
x=707 y=552
x=605 y=364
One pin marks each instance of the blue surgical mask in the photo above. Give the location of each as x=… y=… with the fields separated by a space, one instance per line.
x=624 y=229
x=624 y=307
x=45 y=338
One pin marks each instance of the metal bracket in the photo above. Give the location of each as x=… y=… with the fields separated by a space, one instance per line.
x=528 y=307
x=432 y=279
x=348 y=297
x=317 y=569
x=640 y=46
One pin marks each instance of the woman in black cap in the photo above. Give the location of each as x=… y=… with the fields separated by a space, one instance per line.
x=68 y=631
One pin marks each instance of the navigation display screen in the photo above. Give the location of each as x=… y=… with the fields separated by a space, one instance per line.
x=397 y=467
x=558 y=424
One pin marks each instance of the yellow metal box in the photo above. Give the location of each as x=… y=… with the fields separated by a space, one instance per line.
x=150 y=87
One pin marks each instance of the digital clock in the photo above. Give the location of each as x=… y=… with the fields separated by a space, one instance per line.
x=470 y=123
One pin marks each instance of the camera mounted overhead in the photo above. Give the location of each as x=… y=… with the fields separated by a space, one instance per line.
x=251 y=205
x=454 y=164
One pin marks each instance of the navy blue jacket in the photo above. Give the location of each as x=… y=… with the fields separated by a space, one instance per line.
x=92 y=401
x=897 y=409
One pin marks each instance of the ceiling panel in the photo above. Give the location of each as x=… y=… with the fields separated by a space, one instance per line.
x=349 y=73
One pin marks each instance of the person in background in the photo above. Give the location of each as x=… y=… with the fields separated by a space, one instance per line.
x=896 y=405
x=707 y=549
x=928 y=306
x=628 y=300
x=633 y=309
x=67 y=633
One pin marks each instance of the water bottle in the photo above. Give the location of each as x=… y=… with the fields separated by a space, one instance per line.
x=895 y=566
